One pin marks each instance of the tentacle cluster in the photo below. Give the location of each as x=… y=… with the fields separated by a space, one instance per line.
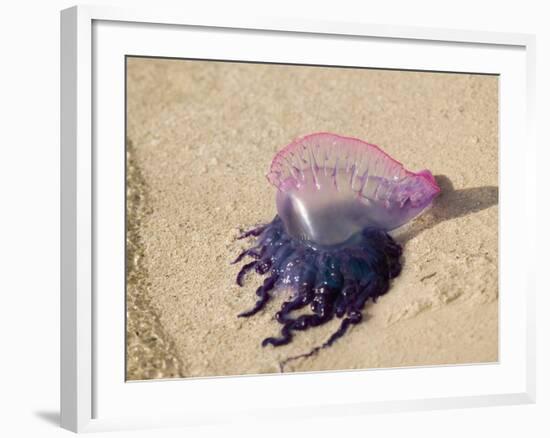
x=335 y=282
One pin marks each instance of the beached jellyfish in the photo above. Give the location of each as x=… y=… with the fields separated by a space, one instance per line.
x=337 y=199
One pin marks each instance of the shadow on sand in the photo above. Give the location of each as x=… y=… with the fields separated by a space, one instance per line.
x=451 y=204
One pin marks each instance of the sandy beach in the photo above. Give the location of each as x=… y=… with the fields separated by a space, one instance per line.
x=200 y=139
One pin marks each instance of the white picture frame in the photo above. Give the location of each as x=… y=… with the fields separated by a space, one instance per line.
x=94 y=395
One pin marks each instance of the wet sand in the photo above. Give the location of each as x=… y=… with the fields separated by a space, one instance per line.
x=201 y=136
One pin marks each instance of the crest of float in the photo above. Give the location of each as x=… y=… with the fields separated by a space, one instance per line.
x=331 y=187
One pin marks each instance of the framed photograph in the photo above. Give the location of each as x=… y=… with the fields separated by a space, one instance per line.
x=257 y=208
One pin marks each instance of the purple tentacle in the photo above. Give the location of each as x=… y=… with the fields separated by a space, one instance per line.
x=253 y=232
x=286 y=337
x=299 y=302
x=244 y=270
x=355 y=318
x=263 y=293
x=252 y=252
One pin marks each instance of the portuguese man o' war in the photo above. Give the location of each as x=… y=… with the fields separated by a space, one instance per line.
x=337 y=200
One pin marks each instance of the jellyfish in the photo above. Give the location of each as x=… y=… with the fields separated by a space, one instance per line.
x=337 y=200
